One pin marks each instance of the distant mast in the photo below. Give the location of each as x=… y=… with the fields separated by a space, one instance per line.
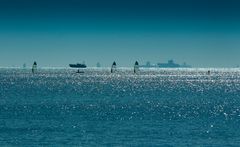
x=34 y=67
x=114 y=66
x=136 y=67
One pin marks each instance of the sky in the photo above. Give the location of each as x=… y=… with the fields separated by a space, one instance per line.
x=203 y=33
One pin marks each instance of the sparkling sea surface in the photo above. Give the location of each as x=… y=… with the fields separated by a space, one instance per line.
x=155 y=107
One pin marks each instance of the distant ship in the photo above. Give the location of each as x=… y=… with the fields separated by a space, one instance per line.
x=78 y=65
x=171 y=64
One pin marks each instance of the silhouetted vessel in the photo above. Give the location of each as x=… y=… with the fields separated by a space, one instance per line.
x=78 y=65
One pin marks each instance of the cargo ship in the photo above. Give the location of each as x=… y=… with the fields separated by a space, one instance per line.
x=172 y=64
x=169 y=64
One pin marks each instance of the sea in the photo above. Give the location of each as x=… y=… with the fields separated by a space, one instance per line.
x=153 y=107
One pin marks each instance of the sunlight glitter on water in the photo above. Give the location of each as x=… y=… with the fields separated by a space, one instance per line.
x=154 y=106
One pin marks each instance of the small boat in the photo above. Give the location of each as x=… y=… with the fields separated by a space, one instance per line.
x=77 y=65
x=80 y=72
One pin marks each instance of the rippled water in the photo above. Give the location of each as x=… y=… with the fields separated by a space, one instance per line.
x=156 y=107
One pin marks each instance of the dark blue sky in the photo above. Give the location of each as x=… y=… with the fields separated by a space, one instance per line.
x=204 y=33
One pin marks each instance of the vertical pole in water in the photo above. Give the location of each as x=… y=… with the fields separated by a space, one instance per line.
x=136 y=67
x=34 y=67
x=113 y=69
x=209 y=72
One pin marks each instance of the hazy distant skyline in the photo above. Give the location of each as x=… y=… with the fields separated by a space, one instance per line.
x=202 y=33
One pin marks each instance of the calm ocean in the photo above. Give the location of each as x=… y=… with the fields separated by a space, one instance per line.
x=156 y=107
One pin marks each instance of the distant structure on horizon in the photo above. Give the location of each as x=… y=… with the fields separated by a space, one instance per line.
x=148 y=65
x=169 y=64
x=98 y=64
x=185 y=65
x=24 y=66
